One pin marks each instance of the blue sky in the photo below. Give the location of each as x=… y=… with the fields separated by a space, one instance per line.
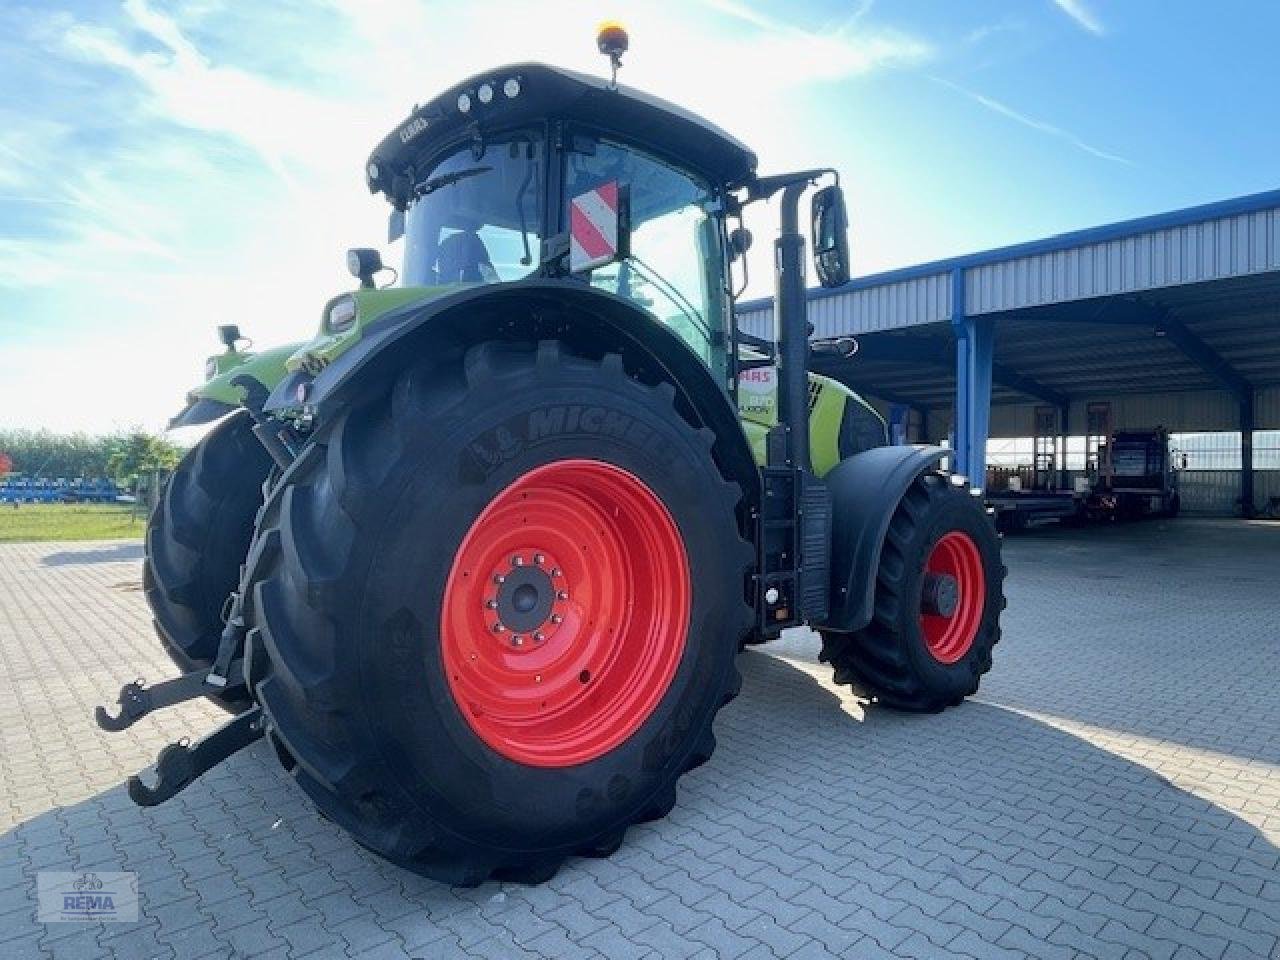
x=165 y=166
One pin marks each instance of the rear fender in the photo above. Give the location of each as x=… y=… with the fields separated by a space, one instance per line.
x=592 y=321
x=865 y=491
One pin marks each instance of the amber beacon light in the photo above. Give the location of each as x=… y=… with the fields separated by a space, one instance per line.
x=612 y=40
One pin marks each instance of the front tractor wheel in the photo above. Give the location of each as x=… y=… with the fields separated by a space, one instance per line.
x=938 y=598
x=496 y=610
x=197 y=538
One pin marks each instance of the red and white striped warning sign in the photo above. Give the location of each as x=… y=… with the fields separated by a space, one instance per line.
x=593 y=227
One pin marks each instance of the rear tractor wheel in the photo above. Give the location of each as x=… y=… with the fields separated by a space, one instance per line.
x=197 y=538
x=938 y=598
x=496 y=611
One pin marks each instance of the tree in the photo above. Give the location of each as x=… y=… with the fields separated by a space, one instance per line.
x=138 y=454
x=42 y=453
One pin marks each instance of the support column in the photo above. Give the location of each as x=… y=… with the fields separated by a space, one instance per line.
x=975 y=343
x=899 y=424
x=1246 y=454
x=1064 y=431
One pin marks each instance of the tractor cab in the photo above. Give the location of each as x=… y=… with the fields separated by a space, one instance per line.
x=534 y=170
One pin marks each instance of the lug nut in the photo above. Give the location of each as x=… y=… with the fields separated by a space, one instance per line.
x=517 y=561
x=556 y=618
x=539 y=559
x=555 y=571
x=491 y=604
x=517 y=640
x=499 y=578
x=498 y=628
x=563 y=595
x=539 y=637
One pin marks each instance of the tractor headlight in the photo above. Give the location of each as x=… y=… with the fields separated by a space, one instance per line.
x=511 y=88
x=464 y=103
x=340 y=316
x=211 y=368
x=485 y=93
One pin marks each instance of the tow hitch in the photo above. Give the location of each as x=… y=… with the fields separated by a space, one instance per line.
x=179 y=764
x=137 y=700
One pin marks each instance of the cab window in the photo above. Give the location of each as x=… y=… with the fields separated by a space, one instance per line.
x=476 y=216
x=675 y=264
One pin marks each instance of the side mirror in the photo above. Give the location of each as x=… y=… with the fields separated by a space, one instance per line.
x=363 y=264
x=739 y=242
x=830 y=236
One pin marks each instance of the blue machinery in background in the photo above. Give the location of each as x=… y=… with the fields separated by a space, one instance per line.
x=58 y=490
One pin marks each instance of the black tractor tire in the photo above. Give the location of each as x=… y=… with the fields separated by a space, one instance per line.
x=890 y=660
x=353 y=564
x=198 y=535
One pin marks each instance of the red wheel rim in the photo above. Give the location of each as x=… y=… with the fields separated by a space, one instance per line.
x=565 y=613
x=949 y=638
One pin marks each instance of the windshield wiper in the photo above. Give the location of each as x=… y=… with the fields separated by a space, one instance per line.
x=447 y=179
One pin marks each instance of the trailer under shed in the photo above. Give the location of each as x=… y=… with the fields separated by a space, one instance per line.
x=1167 y=321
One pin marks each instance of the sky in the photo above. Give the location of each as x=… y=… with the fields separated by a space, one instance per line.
x=169 y=166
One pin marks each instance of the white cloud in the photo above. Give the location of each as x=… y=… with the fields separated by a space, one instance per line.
x=230 y=190
x=1082 y=15
x=1032 y=123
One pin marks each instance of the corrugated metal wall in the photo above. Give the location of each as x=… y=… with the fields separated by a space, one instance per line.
x=1190 y=411
x=1214 y=249
x=1210 y=250
x=1266 y=408
x=889 y=306
x=1186 y=412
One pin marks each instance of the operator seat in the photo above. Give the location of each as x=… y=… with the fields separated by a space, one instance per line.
x=462 y=257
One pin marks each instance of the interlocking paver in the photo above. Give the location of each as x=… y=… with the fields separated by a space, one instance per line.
x=1097 y=799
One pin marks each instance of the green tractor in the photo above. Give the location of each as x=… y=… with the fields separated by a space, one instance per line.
x=478 y=558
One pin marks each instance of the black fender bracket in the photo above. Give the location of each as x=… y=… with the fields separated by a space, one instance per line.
x=200 y=410
x=865 y=491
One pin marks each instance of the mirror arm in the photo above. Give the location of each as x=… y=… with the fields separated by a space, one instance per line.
x=761 y=188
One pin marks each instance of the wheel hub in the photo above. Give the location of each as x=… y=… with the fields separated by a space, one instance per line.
x=527 y=598
x=940 y=594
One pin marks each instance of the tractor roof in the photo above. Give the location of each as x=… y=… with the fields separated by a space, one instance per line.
x=552 y=93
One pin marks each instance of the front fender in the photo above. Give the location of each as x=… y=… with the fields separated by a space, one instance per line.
x=591 y=319
x=865 y=490
x=247 y=384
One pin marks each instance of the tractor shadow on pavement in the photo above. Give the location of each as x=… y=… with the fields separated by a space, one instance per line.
x=977 y=823
x=114 y=553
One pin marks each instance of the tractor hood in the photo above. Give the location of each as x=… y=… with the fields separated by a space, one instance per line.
x=532 y=93
x=247 y=379
x=241 y=380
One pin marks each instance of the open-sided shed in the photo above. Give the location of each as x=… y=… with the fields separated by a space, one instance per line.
x=1171 y=320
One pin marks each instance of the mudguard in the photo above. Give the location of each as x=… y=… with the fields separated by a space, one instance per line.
x=865 y=490
x=245 y=383
x=528 y=309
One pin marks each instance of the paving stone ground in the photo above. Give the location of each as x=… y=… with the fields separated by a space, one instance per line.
x=1114 y=792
